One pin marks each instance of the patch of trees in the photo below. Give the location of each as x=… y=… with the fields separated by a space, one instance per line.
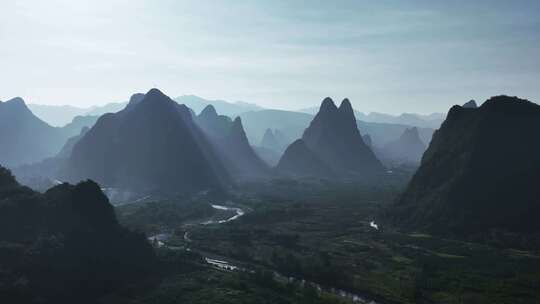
x=64 y=245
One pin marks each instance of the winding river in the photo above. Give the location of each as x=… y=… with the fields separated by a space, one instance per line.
x=238 y=213
x=222 y=264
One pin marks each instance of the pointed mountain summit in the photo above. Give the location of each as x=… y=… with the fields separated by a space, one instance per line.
x=269 y=141
x=247 y=162
x=135 y=99
x=299 y=161
x=229 y=139
x=17 y=104
x=471 y=104
x=209 y=112
x=237 y=133
x=480 y=173
x=16 y=107
x=407 y=149
x=214 y=126
x=334 y=137
x=154 y=145
x=346 y=109
x=327 y=105
x=410 y=134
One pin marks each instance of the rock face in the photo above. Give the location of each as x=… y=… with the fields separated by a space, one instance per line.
x=60 y=238
x=408 y=149
x=230 y=109
x=334 y=137
x=299 y=161
x=471 y=104
x=367 y=140
x=480 y=172
x=230 y=140
x=66 y=150
x=151 y=145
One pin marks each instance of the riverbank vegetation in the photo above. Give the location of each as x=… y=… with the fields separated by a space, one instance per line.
x=327 y=238
x=323 y=233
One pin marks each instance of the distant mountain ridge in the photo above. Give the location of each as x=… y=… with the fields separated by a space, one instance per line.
x=56 y=115
x=408 y=149
x=433 y=120
x=25 y=138
x=292 y=125
x=274 y=140
x=60 y=115
x=231 y=109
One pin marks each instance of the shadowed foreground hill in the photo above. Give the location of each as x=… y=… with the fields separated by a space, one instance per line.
x=151 y=145
x=481 y=172
x=64 y=245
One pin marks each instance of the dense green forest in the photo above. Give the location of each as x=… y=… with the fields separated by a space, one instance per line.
x=320 y=232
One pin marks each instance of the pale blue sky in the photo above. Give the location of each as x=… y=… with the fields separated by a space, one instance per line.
x=386 y=56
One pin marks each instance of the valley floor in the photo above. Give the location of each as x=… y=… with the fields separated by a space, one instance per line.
x=321 y=236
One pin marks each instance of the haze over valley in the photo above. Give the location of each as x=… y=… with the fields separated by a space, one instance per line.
x=380 y=153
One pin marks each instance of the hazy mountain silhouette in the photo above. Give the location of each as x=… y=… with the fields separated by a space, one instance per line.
x=25 y=138
x=42 y=174
x=409 y=148
x=433 y=120
x=79 y=122
x=300 y=161
x=480 y=172
x=232 y=144
x=269 y=141
x=65 y=153
x=383 y=133
x=61 y=238
x=60 y=115
x=151 y=145
x=334 y=137
x=111 y=107
x=291 y=125
x=56 y=115
x=274 y=140
x=197 y=104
